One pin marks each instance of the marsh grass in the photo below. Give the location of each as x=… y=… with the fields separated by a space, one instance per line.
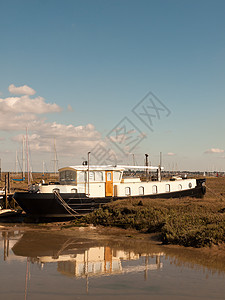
x=187 y=221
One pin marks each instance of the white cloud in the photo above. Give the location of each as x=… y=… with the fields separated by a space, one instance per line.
x=69 y=107
x=171 y=154
x=25 y=104
x=21 y=90
x=214 y=150
x=20 y=112
x=70 y=140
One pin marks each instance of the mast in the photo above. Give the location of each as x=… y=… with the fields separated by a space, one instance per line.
x=16 y=163
x=89 y=173
x=28 y=172
x=159 y=169
x=55 y=158
x=23 y=159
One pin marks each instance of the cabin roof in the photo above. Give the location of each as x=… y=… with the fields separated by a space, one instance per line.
x=93 y=168
x=106 y=168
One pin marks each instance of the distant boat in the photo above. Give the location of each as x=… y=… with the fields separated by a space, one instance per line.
x=19 y=179
x=82 y=189
x=5 y=212
x=2 y=193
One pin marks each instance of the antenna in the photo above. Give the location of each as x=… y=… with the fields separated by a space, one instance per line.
x=55 y=158
x=146 y=164
x=160 y=159
x=160 y=166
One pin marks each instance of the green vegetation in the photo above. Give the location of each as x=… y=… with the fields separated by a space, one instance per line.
x=188 y=221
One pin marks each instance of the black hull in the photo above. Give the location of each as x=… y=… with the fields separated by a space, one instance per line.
x=48 y=205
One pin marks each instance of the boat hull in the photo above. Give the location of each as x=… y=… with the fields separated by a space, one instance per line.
x=49 y=205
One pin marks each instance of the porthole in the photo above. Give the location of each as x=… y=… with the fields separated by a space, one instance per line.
x=167 y=188
x=190 y=185
x=154 y=189
x=141 y=190
x=179 y=187
x=127 y=191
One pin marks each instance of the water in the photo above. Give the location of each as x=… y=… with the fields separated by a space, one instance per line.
x=102 y=264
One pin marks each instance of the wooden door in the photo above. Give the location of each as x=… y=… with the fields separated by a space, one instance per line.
x=109 y=183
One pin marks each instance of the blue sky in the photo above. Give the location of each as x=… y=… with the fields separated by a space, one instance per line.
x=92 y=62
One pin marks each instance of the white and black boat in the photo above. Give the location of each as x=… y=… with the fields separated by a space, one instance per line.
x=82 y=189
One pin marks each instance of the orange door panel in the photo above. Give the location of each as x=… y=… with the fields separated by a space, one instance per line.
x=109 y=184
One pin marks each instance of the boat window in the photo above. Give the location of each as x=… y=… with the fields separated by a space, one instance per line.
x=82 y=176
x=179 y=187
x=127 y=191
x=154 y=189
x=67 y=177
x=91 y=176
x=108 y=176
x=190 y=185
x=167 y=188
x=141 y=190
x=56 y=190
x=98 y=267
x=107 y=266
x=74 y=191
x=116 y=176
x=121 y=174
x=98 y=176
x=62 y=176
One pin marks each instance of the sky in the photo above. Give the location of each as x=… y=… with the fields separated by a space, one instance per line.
x=117 y=78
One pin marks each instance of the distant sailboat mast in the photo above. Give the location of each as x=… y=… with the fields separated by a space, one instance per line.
x=16 y=163
x=23 y=159
x=55 y=159
x=28 y=171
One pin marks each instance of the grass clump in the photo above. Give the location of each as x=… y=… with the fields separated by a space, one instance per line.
x=176 y=225
x=188 y=221
x=196 y=230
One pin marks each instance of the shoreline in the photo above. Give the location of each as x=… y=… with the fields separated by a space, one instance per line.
x=131 y=240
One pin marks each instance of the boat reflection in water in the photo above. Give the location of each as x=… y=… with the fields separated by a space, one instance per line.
x=81 y=257
x=106 y=264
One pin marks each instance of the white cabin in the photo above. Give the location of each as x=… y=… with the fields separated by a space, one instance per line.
x=108 y=181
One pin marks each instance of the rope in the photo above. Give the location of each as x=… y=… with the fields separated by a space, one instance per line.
x=214 y=193
x=71 y=211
